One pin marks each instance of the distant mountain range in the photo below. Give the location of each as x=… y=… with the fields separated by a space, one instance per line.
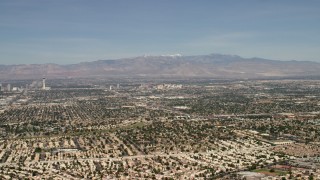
x=213 y=65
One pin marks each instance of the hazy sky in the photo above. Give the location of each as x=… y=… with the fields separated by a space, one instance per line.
x=71 y=31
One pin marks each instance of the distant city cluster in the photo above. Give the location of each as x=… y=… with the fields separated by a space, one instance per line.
x=154 y=129
x=9 y=92
x=9 y=88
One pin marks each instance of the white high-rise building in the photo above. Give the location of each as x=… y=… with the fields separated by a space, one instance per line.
x=44 y=83
x=9 y=87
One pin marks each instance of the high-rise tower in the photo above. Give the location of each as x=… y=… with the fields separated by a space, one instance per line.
x=9 y=87
x=44 y=83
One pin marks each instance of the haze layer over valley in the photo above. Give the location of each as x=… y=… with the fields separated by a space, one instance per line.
x=213 y=65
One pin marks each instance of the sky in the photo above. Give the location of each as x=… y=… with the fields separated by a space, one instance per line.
x=72 y=31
